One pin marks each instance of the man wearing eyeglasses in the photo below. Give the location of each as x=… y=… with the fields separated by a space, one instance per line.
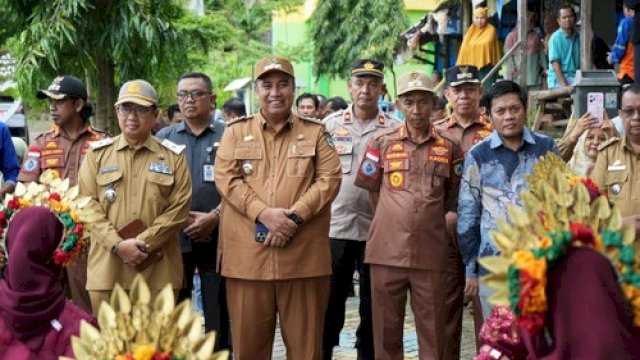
x=618 y=163
x=141 y=189
x=201 y=135
x=62 y=149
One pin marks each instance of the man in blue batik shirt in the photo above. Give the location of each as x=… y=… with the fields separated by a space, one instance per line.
x=10 y=167
x=493 y=177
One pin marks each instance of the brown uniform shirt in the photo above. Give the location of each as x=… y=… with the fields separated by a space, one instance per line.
x=152 y=184
x=55 y=150
x=418 y=183
x=469 y=136
x=617 y=173
x=256 y=168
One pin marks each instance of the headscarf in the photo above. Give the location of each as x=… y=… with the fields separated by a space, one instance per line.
x=31 y=294
x=479 y=47
x=481 y=10
x=580 y=162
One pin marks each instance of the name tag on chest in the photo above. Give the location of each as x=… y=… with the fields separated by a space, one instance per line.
x=208 y=172
x=160 y=168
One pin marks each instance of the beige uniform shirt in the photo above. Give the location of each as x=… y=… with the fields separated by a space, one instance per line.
x=58 y=152
x=256 y=168
x=351 y=211
x=616 y=173
x=152 y=184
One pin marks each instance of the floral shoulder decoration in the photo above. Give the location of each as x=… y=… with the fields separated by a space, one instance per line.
x=134 y=328
x=560 y=210
x=64 y=201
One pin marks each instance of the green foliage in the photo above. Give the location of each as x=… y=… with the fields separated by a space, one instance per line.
x=345 y=30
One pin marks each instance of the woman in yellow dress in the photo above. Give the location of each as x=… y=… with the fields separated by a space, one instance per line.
x=480 y=45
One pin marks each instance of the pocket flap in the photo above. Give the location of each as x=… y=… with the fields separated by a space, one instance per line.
x=247 y=153
x=110 y=177
x=614 y=177
x=301 y=151
x=160 y=179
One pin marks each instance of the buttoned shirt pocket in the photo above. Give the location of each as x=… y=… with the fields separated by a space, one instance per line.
x=300 y=160
x=158 y=187
x=396 y=174
x=438 y=177
x=344 y=147
x=250 y=160
x=106 y=181
x=617 y=184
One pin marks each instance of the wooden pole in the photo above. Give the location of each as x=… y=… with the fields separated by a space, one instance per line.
x=522 y=35
x=586 y=34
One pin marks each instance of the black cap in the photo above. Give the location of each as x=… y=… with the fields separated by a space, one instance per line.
x=64 y=86
x=367 y=67
x=462 y=74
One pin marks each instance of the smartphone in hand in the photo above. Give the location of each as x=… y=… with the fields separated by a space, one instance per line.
x=595 y=107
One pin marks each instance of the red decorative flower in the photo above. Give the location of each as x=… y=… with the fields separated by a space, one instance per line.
x=3 y=217
x=161 y=356
x=582 y=233
x=13 y=204
x=55 y=196
x=532 y=323
x=60 y=257
x=594 y=193
x=79 y=229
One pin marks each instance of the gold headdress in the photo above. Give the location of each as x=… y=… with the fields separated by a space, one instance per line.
x=64 y=201
x=131 y=328
x=559 y=211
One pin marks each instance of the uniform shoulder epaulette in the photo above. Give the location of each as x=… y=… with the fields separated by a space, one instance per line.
x=440 y=122
x=100 y=143
x=604 y=145
x=313 y=120
x=175 y=148
x=239 y=119
x=384 y=132
x=335 y=114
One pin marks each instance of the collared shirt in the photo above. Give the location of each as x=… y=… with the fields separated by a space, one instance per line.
x=200 y=152
x=256 y=168
x=152 y=184
x=58 y=152
x=351 y=211
x=617 y=173
x=492 y=179
x=468 y=136
x=10 y=166
x=565 y=49
x=417 y=185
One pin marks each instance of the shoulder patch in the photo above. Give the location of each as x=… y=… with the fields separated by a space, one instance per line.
x=313 y=120
x=605 y=144
x=100 y=143
x=239 y=119
x=175 y=148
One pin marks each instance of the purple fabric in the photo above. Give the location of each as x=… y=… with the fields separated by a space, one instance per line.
x=588 y=317
x=31 y=294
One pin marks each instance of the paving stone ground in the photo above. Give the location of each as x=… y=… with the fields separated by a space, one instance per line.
x=346 y=351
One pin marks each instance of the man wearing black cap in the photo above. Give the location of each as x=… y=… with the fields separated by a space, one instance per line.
x=62 y=150
x=351 y=213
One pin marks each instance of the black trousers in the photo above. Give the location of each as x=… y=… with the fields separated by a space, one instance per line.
x=347 y=256
x=214 y=295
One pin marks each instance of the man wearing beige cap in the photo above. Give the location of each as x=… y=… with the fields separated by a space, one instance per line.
x=409 y=173
x=277 y=174
x=141 y=195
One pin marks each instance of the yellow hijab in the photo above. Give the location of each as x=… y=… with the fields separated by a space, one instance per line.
x=479 y=47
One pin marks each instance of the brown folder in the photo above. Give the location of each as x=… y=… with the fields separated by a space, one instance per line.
x=133 y=229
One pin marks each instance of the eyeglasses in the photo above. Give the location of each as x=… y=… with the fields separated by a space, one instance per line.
x=126 y=110
x=630 y=112
x=195 y=94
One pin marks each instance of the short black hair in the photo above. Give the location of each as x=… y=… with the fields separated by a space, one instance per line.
x=337 y=103
x=630 y=4
x=234 y=106
x=307 y=95
x=198 y=75
x=441 y=103
x=172 y=110
x=566 y=7
x=502 y=88
x=484 y=100
x=322 y=100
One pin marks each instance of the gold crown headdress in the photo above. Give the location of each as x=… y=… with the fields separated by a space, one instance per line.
x=63 y=201
x=560 y=210
x=132 y=328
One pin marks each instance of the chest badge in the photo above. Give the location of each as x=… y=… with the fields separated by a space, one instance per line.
x=247 y=168
x=110 y=194
x=616 y=189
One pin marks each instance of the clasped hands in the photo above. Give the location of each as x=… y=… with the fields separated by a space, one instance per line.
x=281 y=228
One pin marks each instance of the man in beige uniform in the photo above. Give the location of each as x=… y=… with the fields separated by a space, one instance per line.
x=409 y=174
x=135 y=176
x=281 y=171
x=617 y=168
x=351 y=212
x=62 y=150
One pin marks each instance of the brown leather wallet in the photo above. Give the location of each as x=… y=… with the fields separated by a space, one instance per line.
x=133 y=229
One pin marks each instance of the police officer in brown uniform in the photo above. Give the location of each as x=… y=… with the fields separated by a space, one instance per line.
x=469 y=127
x=62 y=149
x=277 y=174
x=409 y=173
x=617 y=168
x=141 y=195
x=351 y=212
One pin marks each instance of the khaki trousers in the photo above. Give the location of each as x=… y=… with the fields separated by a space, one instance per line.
x=98 y=296
x=436 y=302
x=300 y=304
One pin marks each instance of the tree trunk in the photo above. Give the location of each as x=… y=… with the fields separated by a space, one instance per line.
x=106 y=96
